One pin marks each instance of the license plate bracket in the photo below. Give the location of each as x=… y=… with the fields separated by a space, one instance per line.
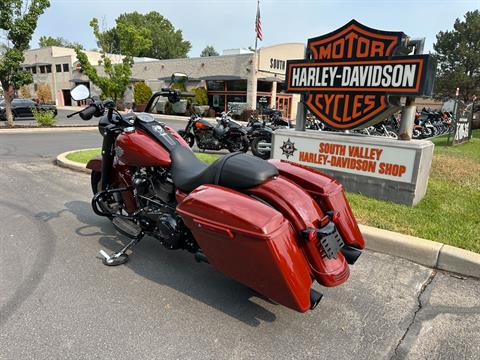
x=330 y=240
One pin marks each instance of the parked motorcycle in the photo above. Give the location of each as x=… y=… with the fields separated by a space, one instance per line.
x=274 y=226
x=227 y=134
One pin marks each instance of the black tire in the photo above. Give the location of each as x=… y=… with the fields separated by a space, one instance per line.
x=427 y=132
x=95 y=178
x=188 y=137
x=238 y=144
x=254 y=146
x=417 y=134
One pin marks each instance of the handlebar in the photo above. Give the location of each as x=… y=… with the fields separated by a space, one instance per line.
x=86 y=114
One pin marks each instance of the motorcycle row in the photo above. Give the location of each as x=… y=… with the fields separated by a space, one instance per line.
x=231 y=135
x=257 y=134
x=428 y=123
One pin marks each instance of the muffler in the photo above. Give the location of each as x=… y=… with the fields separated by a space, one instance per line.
x=351 y=254
x=315 y=298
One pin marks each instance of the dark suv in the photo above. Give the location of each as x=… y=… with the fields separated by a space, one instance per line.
x=22 y=108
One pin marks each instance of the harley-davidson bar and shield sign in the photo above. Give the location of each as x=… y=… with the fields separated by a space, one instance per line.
x=352 y=76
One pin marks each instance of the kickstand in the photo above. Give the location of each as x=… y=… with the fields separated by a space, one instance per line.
x=120 y=257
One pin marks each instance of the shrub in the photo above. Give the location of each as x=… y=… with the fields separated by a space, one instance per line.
x=179 y=86
x=44 y=117
x=44 y=94
x=25 y=92
x=245 y=115
x=141 y=93
x=201 y=96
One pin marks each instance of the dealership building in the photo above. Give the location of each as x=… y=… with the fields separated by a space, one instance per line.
x=235 y=77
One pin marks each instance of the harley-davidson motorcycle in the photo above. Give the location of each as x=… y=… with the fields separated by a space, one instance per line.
x=274 y=226
x=227 y=134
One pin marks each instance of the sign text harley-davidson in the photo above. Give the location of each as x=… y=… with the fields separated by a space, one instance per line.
x=351 y=76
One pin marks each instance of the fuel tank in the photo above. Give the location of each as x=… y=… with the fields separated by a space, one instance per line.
x=136 y=148
x=203 y=124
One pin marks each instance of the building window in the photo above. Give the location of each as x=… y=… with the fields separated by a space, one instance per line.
x=216 y=85
x=34 y=69
x=217 y=102
x=66 y=68
x=49 y=69
x=42 y=69
x=58 y=68
x=236 y=99
x=264 y=86
x=237 y=85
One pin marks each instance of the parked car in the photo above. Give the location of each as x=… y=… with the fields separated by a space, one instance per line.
x=22 y=108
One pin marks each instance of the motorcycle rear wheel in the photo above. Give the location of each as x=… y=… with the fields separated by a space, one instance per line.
x=238 y=144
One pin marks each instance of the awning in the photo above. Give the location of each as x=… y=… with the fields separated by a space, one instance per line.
x=40 y=64
x=79 y=81
x=271 y=79
x=168 y=78
x=221 y=77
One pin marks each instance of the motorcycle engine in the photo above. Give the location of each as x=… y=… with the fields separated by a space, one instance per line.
x=155 y=194
x=206 y=140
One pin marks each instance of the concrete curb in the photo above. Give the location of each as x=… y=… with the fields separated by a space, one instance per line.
x=421 y=251
x=48 y=130
x=62 y=161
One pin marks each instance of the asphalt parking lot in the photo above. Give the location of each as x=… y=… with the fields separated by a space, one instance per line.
x=58 y=301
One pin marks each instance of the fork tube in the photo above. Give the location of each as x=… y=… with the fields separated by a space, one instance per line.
x=107 y=156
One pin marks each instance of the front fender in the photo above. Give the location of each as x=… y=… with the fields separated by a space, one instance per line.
x=95 y=164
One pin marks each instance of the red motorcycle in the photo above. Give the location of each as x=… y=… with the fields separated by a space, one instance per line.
x=274 y=226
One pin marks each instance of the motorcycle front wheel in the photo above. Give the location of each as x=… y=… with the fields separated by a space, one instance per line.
x=238 y=144
x=188 y=137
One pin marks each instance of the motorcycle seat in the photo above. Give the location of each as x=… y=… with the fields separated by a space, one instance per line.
x=236 y=171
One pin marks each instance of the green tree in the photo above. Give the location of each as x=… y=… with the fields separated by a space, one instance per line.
x=116 y=77
x=141 y=93
x=46 y=41
x=18 y=20
x=166 y=42
x=458 y=57
x=209 y=51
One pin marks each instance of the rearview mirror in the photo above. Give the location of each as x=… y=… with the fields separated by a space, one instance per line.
x=80 y=92
x=179 y=78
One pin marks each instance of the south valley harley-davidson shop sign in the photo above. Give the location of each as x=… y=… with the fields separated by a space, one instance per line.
x=353 y=75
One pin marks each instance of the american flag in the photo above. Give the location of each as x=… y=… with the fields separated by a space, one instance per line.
x=258 y=24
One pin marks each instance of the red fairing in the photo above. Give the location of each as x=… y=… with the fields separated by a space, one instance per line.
x=250 y=242
x=328 y=193
x=135 y=148
x=303 y=213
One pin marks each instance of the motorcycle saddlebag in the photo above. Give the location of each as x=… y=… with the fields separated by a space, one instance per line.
x=249 y=242
x=329 y=195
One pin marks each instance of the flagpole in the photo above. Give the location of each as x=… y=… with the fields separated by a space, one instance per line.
x=256 y=34
x=253 y=76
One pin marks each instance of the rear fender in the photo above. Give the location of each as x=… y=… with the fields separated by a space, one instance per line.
x=303 y=213
x=328 y=194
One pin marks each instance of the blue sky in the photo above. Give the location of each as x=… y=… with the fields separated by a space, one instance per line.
x=230 y=23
